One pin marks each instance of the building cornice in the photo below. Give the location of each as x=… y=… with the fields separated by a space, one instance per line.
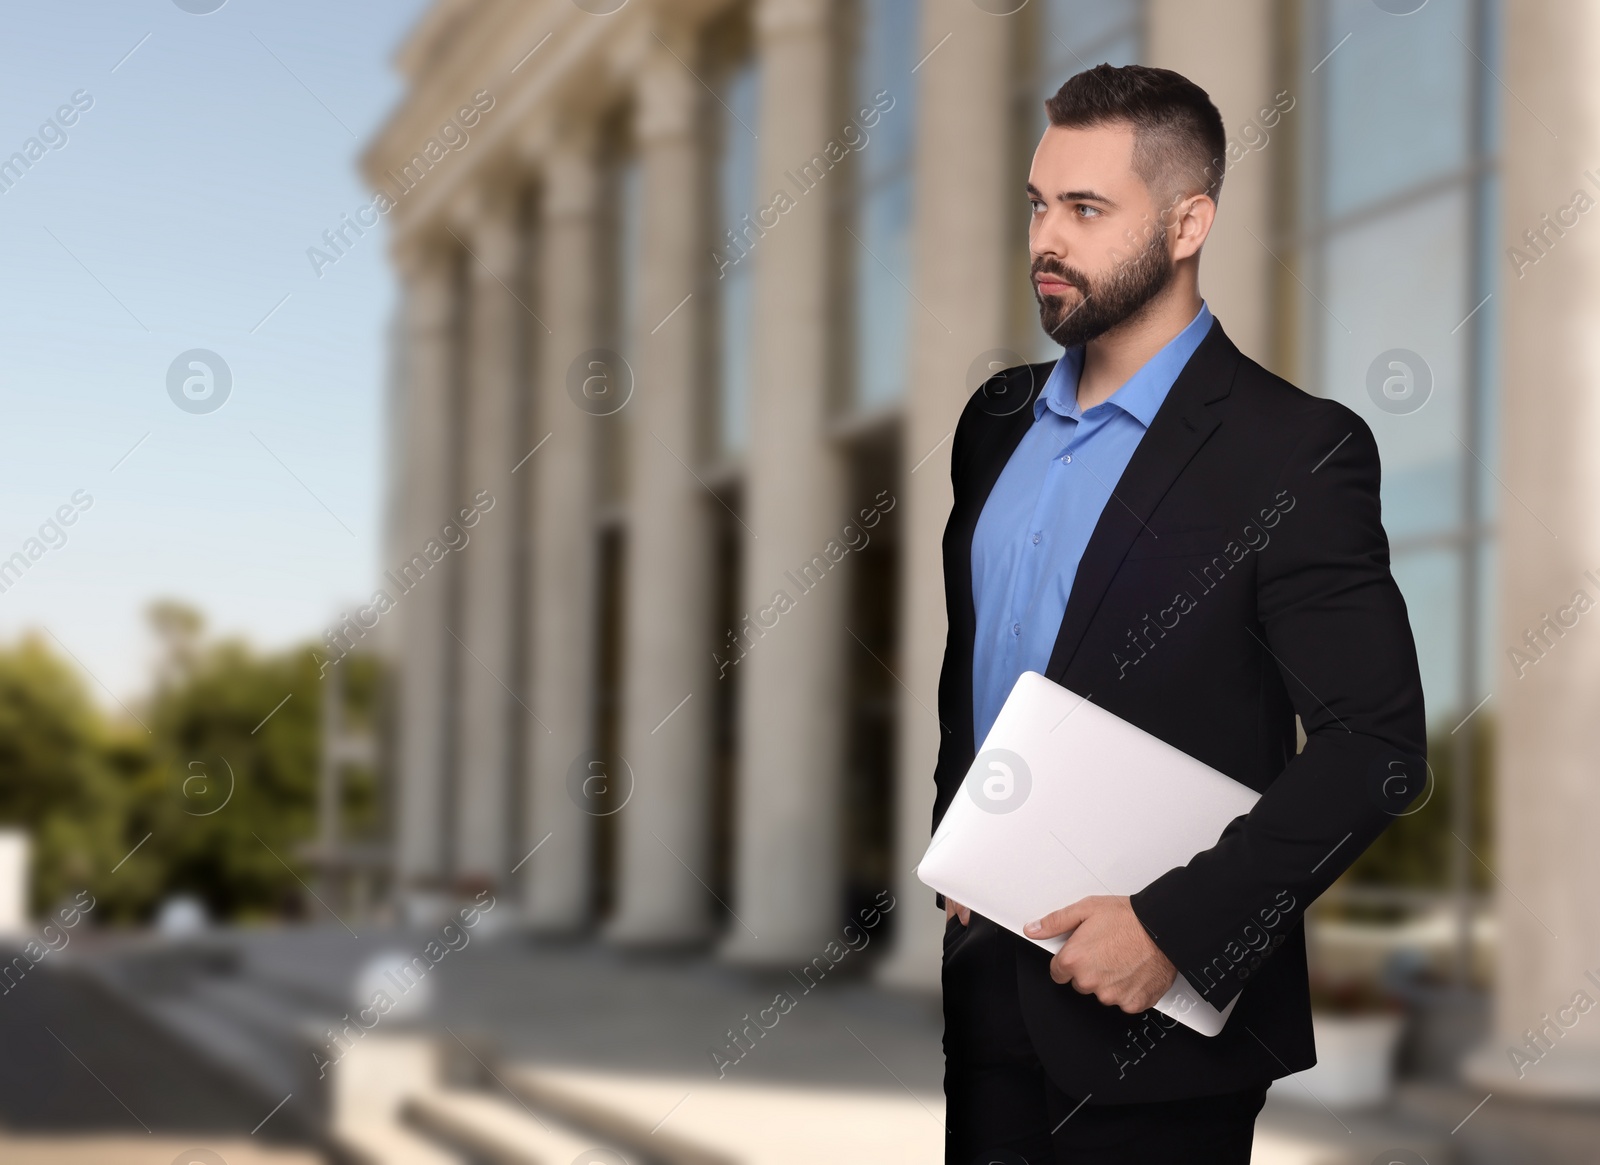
x=532 y=57
x=522 y=55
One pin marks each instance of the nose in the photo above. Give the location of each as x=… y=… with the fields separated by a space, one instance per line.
x=1045 y=239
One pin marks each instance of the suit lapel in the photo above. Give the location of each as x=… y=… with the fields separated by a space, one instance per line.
x=1180 y=427
x=1008 y=407
x=1011 y=403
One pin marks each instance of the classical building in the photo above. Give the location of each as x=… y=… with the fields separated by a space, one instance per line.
x=693 y=294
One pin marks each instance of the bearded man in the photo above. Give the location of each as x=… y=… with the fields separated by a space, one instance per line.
x=1161 y=525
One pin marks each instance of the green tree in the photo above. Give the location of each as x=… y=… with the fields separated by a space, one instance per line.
x=59 y=776
x=1419 y=848
x=212 y=789
x=230 y=791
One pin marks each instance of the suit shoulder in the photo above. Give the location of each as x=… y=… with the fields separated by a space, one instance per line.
x=1007 y=390
x=1281 y=411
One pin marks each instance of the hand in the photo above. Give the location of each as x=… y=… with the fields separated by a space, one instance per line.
x=1108 y=953
x=951 y=906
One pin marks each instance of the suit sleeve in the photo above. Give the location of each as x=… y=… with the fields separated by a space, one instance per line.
x=960 y=444
x=1332 y=624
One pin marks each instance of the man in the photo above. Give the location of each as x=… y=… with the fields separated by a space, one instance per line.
x=1161 y=525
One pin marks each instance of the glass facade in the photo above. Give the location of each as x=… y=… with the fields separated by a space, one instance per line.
x=1396 y=316
x=621 y=240
x=1383 y=189
x=881 y=89
x=735 y=81
x=1397 y=311
x=1074 y=35
x=1062 y=37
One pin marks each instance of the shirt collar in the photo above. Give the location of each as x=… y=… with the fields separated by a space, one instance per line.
x=1144 y=391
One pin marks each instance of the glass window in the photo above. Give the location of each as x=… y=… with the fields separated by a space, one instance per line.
x=1083 y=33
x=735 y=80
x=1431 y=580
x=629 y=225
x=882 y=89
x=1394 y=282
x=1396 y=93
x=1060 y=38
x=1399 y=270
x=621 y=241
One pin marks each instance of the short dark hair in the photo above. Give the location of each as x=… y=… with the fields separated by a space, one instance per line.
x=1179 y=141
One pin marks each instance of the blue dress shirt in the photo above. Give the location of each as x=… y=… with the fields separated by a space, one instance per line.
x=1038 y=518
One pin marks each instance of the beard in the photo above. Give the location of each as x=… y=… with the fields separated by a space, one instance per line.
x=1106 y=301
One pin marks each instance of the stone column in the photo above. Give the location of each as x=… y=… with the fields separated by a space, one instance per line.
x=968 y=224
x=791 y=708
x=428 y=271
x=1226 y=47
x=558 y=880
x=1547 y=808
x=488 y=223
x=664 y=827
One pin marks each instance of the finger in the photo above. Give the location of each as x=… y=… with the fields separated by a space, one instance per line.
x=1059 y=921
x=949 y=908
x=964 y=914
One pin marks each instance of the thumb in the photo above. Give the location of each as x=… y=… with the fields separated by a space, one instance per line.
x=1058 y=921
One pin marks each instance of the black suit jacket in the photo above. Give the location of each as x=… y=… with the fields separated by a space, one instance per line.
x=1239 y=576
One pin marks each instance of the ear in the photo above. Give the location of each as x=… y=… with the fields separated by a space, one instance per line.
x=1192 y=217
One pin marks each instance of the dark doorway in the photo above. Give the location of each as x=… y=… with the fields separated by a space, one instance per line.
x=727 y=583
x=872 y=662
x=609 y=613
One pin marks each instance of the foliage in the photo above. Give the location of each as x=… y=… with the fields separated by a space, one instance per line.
x=58 y=771
x=1418 y=848
x=217 y=789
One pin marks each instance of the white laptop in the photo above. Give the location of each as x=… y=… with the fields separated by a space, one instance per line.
x=1065 y=800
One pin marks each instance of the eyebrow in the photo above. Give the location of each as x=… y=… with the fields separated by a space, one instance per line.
x=1073 y=196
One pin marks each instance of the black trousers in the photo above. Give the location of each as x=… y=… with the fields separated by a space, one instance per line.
x=1001 y=1108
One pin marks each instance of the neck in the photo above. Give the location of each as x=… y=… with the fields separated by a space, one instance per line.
x=1111 y=359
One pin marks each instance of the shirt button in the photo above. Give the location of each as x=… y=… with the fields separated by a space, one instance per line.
x=1066 y=459
x=1016 y=628
x=1036 y=538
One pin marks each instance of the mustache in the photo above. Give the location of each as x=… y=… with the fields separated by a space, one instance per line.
x=1068 y=275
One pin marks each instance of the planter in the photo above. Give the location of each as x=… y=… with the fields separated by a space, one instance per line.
x=1355 y=1061
x=1446 y=1023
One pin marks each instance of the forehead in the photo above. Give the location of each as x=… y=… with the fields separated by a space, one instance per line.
x=1084 y=158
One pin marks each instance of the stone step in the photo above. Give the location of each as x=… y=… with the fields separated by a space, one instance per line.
x=370 y=1086
x=705 y=1121
x=288 y=1027
x=1295 y=1129
x=1276 y=1148
x=216 y=1031
x=229 y=1045
x=257 y=1040
x=377 y=1142
x=141 y=1149
x=496 y=1129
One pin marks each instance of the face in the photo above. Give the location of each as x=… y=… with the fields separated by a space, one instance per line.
x=1096 y=238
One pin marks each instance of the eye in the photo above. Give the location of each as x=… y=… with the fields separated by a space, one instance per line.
x=1036 y=205
x=1086 y=211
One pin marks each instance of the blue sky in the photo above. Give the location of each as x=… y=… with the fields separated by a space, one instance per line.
x=177 y=215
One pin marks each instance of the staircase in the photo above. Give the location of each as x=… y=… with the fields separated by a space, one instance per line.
x=384 y=1100
x=572 y=1054
x=256 y=1008
x=257 y=1032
